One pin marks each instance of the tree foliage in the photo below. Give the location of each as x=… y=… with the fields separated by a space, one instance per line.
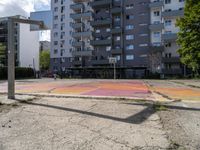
x=2 y=54
x=45 y=60
x=189 y=35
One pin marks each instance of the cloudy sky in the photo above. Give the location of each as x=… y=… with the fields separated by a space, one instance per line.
x=24 y=7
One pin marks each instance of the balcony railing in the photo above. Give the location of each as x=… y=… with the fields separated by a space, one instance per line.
x=101 y=42
x=76 y=7
x=77 y=43
x=173 y=13
x=156 y=4
x=82 y=53
x=169 y=37
x=100 y=3
x=103 y=22
x=158 y=26
x=171 y=60
x=100 y=62
x=81 y=15
x=81 y=34
x=116 y=51
x=116 y=10
x=116 y=30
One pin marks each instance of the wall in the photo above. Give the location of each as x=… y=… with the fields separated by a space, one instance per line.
x=28 y=47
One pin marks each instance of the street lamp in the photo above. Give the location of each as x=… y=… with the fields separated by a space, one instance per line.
x=11 y=51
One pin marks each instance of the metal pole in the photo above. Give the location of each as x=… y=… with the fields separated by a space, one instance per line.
x=11 y=60
x=114 y=72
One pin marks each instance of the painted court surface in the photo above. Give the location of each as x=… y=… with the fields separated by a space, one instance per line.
x=120 y=88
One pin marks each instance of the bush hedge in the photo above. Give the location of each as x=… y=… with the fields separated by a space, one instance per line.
x=20 y=72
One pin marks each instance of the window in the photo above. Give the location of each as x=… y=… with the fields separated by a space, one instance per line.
x=129 y=6
x=62 y=9
x=55 y=42
x=143 y=45
x=108 y=30
x=143 y=34
x=118 y=57
x=156 y=13
x=129 y=37
x=129 y=17
x=117 y=38
x=168 y=45
x=167 y=1
x=55 y=34
x=129 y=27
x=181 y=0
x=130 y=47
x=108 y=48
x=55 y=26
x=143 y=24
x=117 y=18
x=62 y=17
x=98 y=31
x=55 y=17
x=55 y=51
x=55 y=9
x=168 y=22
x=129 y=57
x=156 y=34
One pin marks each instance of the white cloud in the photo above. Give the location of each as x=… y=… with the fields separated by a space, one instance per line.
x=23 y=8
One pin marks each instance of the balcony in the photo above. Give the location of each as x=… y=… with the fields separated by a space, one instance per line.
x=116 y=30
x=171 y=60
x=116 y=51
x=101 y=22
x=101 y=42
x=81 y=34
x=169 y=37
x=171 y=71
x=77 y=25
x=173 y=13
x=76 y=7
x=116 y=10
x=82 y=53
x=100 y=62
x=154 y=27
x=77 y=44
x=81 y=15
x=156 y=4
x=77 y=62
x=100 y=3
x=156 y=48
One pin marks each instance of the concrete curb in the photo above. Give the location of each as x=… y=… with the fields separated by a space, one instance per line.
x=87 y=97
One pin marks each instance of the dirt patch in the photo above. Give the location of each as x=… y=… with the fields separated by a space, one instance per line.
x=177 y=134
x=7 y=107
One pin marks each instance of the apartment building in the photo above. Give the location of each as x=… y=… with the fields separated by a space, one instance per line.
x=163 y=30
x=140 y=34
x=61 y=56
x=45 y=46
x=26 y=44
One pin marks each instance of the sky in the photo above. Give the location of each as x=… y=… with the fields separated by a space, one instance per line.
x=24 y=7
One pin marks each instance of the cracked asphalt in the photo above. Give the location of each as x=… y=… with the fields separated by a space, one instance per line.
x=81 y=124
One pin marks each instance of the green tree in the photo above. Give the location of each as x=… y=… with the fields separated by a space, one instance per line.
x=189 y=35
x=2 y=54
x=45 y=60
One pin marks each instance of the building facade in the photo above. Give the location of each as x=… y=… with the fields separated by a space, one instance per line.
x=163 y=32
x=45 y=46
x=26 y=44
x=140 y=34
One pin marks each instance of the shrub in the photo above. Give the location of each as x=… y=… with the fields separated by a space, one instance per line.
x=20 y=72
